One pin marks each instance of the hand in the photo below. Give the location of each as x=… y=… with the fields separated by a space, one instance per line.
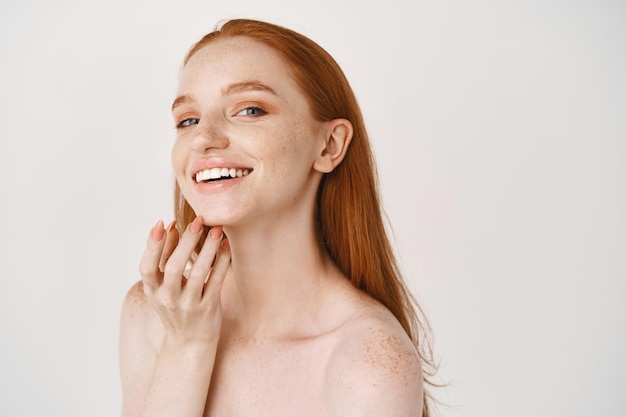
x=190 y=308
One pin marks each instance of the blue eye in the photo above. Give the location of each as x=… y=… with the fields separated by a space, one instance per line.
x=252 y=111
x=187 y=122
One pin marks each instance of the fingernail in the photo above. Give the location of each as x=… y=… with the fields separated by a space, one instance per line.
x=171 y=226
x=225 y=245
x=157 y=231
x=216 y=232
x=196 y=225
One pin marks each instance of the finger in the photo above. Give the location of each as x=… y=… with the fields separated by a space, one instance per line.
x=171 y=240
x=175 y=265
x=202 y=265
x=149 y=264
x=213 y=286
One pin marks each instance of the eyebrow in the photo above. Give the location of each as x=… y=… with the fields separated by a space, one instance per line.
x=234 y=88
x=182 y=100
x=247 y=86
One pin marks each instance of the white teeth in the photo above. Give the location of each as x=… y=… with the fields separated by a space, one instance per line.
x=203 y=175
x=217 y=173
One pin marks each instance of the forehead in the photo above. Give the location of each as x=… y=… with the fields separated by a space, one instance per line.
x=235 y=59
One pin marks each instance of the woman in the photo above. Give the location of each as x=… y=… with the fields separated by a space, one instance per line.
x=275 y=292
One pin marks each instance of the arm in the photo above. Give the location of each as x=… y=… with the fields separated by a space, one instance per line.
x=174 y=381
x=137 y=350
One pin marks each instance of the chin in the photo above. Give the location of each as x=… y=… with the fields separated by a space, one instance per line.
x=217 y=216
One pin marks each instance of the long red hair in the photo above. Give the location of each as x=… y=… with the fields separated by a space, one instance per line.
x=349 y=214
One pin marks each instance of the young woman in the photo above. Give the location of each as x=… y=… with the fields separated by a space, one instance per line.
x=275 y=292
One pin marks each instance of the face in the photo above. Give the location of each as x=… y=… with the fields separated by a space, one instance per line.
x=246 y=141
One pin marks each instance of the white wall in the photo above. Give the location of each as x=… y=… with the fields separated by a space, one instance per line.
x=500 y=130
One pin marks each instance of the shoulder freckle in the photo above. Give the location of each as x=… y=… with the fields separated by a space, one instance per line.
x=379 y=352
x=136 y=294
x=384 y=351
x=375 y=369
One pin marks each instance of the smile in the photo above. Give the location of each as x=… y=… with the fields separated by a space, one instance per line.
x=216 y=174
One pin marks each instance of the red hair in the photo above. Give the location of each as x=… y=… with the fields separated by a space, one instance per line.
x=349 y=214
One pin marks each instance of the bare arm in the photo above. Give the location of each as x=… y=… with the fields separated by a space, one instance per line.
x=137 y=350
x=175 y=380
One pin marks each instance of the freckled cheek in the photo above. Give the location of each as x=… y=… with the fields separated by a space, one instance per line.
x=277 y=163
x=287 y=160
x=287 y=150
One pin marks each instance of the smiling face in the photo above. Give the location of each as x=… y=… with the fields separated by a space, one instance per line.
x=246 y=141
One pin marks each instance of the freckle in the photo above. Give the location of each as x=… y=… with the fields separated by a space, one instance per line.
x=136 y=294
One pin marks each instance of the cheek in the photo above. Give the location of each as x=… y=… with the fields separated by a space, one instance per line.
x=178 y=158
x=302 y=144
x=286 y=151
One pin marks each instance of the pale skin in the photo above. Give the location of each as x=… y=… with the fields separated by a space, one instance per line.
x=276 y=329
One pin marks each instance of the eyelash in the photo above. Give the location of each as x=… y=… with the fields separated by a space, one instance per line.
x=260 y=111
x=186 y=123
x=194 y=121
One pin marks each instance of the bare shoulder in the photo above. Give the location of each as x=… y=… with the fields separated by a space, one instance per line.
x=139 y=335
x=375 y=368
x=140 y=328
x=136 y=310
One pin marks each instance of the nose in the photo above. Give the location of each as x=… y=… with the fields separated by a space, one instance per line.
x=209 y=136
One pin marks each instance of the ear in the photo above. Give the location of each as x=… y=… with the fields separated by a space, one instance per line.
x=337 y=137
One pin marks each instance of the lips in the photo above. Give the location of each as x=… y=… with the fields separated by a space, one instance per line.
x=219 y=173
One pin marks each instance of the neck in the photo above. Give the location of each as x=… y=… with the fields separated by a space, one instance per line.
x=279 y=279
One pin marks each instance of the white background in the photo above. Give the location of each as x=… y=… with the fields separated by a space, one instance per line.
x=500 y=132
